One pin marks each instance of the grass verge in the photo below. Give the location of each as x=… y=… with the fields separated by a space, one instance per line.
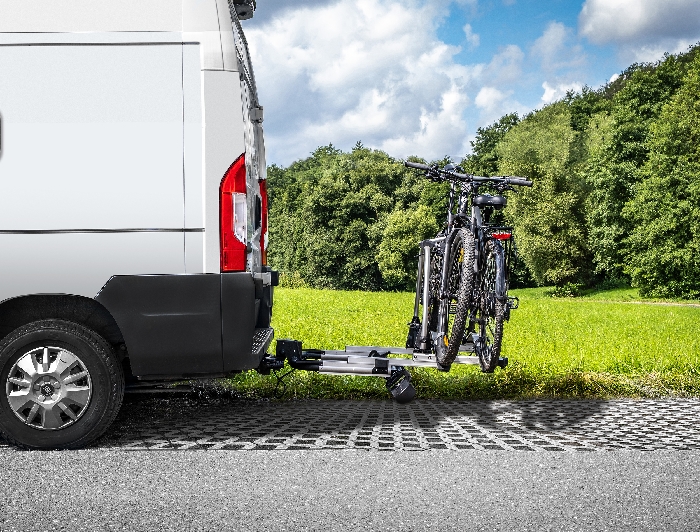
x=603 y=345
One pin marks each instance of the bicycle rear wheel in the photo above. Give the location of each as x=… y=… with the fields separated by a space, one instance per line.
x=455 y=306
x=490 y=307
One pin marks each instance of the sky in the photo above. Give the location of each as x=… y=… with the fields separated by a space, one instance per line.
x=418 y=77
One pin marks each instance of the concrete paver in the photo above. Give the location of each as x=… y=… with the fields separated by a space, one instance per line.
x=533 y=425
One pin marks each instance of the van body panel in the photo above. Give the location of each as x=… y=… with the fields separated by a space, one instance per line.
x=91 y=15
x=53 y=38
x=239 y=302
x=228 y=46
x=223 y=132
x=200 y=23
x=254 y=145
x=118 y=121
x=193 y=138
x=98 y=125
x=194 y=258
x=171 y=323
x=81 y=263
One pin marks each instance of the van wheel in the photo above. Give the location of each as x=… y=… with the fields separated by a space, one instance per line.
x=61 y=385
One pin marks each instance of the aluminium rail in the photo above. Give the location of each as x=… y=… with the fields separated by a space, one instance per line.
x=366 y=361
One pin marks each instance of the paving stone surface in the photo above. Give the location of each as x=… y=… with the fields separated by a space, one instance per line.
x=534 y=425
x=184 y=422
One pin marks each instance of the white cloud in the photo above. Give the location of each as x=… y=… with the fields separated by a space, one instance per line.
x=604 y=21
x=375 y=71
x=438 y=130
x=557 y=49
x=648 y=53
x=472 y=38
x=489 y=98
x=643 y=29
x=505 y=67
x=370 y=70
x=552 y=93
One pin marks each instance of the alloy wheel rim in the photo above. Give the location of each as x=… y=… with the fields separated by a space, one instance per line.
x=487 y=307
x=49 y=388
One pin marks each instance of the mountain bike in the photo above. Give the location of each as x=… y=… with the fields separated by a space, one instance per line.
x=462 y=281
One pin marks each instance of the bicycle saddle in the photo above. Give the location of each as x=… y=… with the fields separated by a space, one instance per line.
x=487 y=200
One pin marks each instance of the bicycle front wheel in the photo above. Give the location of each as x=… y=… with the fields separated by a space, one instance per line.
x=456 y=300
x=490 y=306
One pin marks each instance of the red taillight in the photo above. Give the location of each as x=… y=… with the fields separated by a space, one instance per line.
x=233 y=217
x=263 y=238
x=501 y=236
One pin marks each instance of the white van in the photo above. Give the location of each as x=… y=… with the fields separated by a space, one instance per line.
x=133 y=209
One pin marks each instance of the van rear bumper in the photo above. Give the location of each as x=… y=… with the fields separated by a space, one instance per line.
x=190 y=325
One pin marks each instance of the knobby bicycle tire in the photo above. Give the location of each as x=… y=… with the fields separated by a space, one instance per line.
x=459 y=293
x=490 y=306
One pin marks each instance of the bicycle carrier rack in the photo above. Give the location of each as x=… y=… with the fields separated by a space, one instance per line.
x=423 y=345
x=386 y=362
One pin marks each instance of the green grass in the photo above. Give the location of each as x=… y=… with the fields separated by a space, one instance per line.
x=605 y=344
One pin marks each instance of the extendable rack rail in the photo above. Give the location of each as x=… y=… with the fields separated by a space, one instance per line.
x=387 y=362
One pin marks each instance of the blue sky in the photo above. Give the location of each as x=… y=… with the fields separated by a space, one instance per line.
x=418 y=77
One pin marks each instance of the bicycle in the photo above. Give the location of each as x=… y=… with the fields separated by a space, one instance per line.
x=463 y=273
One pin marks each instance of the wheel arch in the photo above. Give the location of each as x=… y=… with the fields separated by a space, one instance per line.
x=21 y=310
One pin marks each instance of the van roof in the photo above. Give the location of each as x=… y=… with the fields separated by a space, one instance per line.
x=59 y=16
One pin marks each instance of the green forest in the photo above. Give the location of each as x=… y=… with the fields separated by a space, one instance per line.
x=615 y=201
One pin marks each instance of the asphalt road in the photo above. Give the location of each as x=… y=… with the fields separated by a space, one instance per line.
x=184 y=463
x=101 y=489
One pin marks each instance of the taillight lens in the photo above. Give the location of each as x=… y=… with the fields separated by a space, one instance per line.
x=263 y=240
x=233 y=215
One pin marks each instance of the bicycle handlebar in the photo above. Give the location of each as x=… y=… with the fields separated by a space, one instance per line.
x=435 y=171
x=417 y=166
x=520 y=181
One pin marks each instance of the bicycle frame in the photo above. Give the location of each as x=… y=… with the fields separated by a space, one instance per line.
x=442 y=244
x=474 y=222
x=480 y=301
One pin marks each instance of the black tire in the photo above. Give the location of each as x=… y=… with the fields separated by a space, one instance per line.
x=456 y=306
x=490 y=306
x=80 y=403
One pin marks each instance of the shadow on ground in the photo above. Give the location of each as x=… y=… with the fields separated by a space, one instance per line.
x=193 y=421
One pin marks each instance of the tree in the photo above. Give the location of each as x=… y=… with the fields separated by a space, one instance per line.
x=615 y=169
x=484 y=157
x=549 y=217
x=398 y=251
x=664 y=244
x=328 y=213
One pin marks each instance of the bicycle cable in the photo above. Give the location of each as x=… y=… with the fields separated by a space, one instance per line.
x=280 y=380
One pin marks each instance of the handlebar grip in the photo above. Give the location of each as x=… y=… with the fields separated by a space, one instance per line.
x=519 y=181
x=417 y=166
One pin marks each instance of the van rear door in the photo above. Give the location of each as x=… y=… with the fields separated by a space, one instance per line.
x=254 y=151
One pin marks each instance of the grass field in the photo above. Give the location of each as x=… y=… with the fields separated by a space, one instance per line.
x=605 y=344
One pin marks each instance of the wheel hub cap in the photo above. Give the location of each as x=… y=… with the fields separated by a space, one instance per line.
x=49 y=388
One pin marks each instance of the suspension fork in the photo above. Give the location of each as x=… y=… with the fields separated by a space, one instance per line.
x=451 y=217
x=445 y=282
